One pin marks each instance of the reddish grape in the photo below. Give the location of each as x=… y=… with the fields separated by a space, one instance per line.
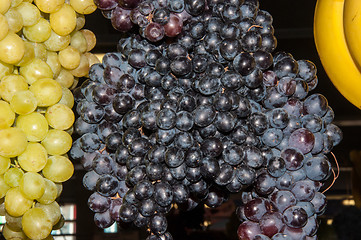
x=174 y=26
x=121 y=19
x=303 y=139
x=256 y=208
x=106 y=4
x=248 y=230
x=271 y=223
x=293 y=158
x=154 y=32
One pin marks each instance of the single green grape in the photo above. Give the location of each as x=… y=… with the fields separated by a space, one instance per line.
x=34 y=125
x=13 y=176
x=13 y=142
x=32 y=185
x=16 y=204
x=34 y=158
x=36 y=224
x=57 y=142
x=58 y=169
x=50 y=193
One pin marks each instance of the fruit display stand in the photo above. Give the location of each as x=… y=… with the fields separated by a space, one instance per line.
x=194 y=105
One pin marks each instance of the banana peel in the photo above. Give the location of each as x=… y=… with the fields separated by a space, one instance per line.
x=333 y=50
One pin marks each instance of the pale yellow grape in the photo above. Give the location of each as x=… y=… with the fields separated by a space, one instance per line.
x=83 y=68
x=4 y=6
x=5 y=69
x=67 y=98
x=16 y=204
x=4 y=26
x=57 y=142
x=15 y=3
x=34 y=158
x=63 y=21
x=14 y=223
x=36 y=69
x=12 y=84
x=32 y=185
x=36 y=224
x=40 y=51
x=38 y=32
x=34 y=126
x=83 y=6
x=58 y=169
x=12 y=49
x=92 y=58
x=15 y=20
x=70 y=131
x=13 y=235
x=23 y=102
x=4 y=165
x=60 y=116
x=60 y=223
x=7 y=115
x=49 y=6
x=50 y=193
x=56 y=42
x=47 y=91
x=2 y=206
x=12 y=142
x=29 y=12
x=69 y=57
x=52 y=210
x=59 y=187
x=3 y=187
x=13 y=176
x=78 y=41
x=75 y=83
x=29 y=54
x=80 y=22
x=53 y=61
x=65 y=78
x=90 y=39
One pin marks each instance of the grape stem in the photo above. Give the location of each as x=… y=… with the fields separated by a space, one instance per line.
x=116 y=196
x=335 y=176
x=102 y=150
x=249 y=29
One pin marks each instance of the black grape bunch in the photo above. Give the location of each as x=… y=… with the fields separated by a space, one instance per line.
x=197 y=116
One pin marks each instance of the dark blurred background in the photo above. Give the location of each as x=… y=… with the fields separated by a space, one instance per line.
x=293 y=23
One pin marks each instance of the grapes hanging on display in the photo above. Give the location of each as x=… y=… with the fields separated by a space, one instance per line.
x=194 y=106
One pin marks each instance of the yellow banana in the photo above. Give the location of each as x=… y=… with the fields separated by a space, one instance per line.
x=333 y=51
x=352 y=28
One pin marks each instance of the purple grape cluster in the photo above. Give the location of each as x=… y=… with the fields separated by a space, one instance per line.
x=286 y=199
x=192 y=119
x=155 y=19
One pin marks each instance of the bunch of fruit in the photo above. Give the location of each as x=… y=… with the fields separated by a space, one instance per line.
x=191 y=119
x=43 y=52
